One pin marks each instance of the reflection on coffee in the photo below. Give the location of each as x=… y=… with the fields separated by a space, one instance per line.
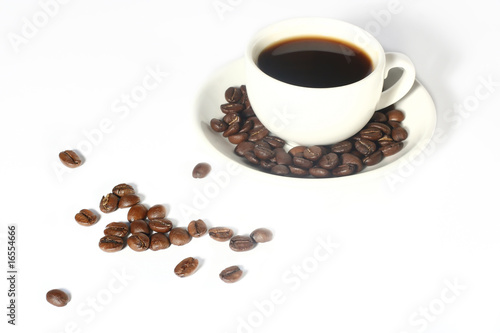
x=315 y=62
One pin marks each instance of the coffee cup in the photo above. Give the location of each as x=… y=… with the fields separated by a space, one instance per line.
x=323 y=81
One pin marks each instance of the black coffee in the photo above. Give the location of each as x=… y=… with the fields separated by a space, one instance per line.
x=315 y=62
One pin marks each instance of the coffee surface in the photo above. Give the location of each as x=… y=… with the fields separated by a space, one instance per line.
x=315 y=62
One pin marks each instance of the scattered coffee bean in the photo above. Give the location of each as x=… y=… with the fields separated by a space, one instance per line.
x=263 y=153
x=57 y=297
x=138 y=242
x=365 y=147
x=218 y=125
x=179 y=236
x=395 y=115
x=197 y=228
x=233 y=94
x=109 y=203
x=86 y=217
x=70 y=159
x=231 y=107
x=371 y=133
x=319 y=172
x=128 y=200
x=342 y=147
x=275 y=142
x=261 y=235
x=138 y=226
x=244 y=147
x=201 y=170
x=158 y=242
x=296 y=171
x=119 y=229
x=391 y=149
x=329 y=161
x=160 y=225
x=297 y=150
x=352 y=159
x=383 y=127
x=257 y=134
x=344 y=170
x=137 y=212
x=111 y=243
x=231 y=274
x=220 y=234
x=282 y=157
x=238 y=138
x=123 y=189
x=186 y=267
x=157 y=212
x=313 y=153
x=280 y=169
x=399 y=134
x=379 y=117
x=241 y=243
x=373 y=159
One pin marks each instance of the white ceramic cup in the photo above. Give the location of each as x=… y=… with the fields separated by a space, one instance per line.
x=320 y=116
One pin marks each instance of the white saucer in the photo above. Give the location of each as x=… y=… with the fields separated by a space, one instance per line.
x=419 y=109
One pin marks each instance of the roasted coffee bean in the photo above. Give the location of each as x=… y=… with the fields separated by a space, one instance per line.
x=352 y=159
x=197 y=228
x=383 y=127
x=296 y=171
x=297 y=150
x=248 y=112
x=379 y=117
x=302 y=162
x=395 y=115
x=128 y=200
x=365 y=147
x=257 y=134
x=344 y=170
x=282 y=157
x=186 y=267
x=119 y=229
x=123 y=189
x=231 y=274
x=385 y=140
x=250 y=156
x=233 y=94
x=241 y=243
x=371 y=133
x=373 y=159
x=160 y=225
x=243 y=147
x=231 y=130
x=137 y=212
x=157 y=212
x=238 y=138
x=138 y=226
x=319 y=172
x=394 y=124
x=138 y=242
x=218 y=125
x=111 y=243
x=231 y=118
x=313 y=153
x=247 y=126
x=275 y=142
x=221 y=234
x=231 y=107
x=57 y=297
x=86 y=217
x=109 y=203
x=257 y=124
x=201 y=170
x=263 y=153
x=399 y=134
x=329 y=161
x=342 y=147
x=159 y=241
x=263 y=144
x=70 y=159
x=179 y=236
x=261 y=235
x=267 y=165
x=392 y=148
x=280 y=169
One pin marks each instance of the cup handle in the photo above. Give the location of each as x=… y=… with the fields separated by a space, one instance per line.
x=403 y=85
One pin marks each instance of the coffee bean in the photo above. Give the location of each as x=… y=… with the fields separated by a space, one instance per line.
x=257 y=124
x=241 y=243
x=238 y=138
x=329 y=161
x=197 y=228
x=111 y=243
x=231 y=107
x=275 y=142
x=159 y=241
x=280 y=169
x=160 y=225
x=261 y=235
x=263 y=153
x=395 y=115
x=392 y=148
x=123 y=189
x=138 y=242
x=351 y=159
x=373 y=159
x=86 y=217
x=379 y=117
x=233 y=94
x=248 y=112
x=313 y=153
x=128 y=200
x=137 y=212
x=186 y=267
x=385 y=140
x=250 y=156
x=179 y=236
x=138 y=226
x=231 y=130
x=319 y=172
x=399 y=134
x=70 y=159
x=119 y=229
x=247 y=126
x=383 y=127
x=231 y=118
x=344 y=170
x=201 y=170
x=365 y=147
x=394 y=124
x=231 y=274
x=220 y=234
x=302 y=162
x=342 y=147
x=57 y=297
x=282 y=157
x=218 y=125
x=296 y=171
x=257 y=134
x=297 y=150
x=157 y=212
x=109 y=203
x=371 y=133
x=243 y=147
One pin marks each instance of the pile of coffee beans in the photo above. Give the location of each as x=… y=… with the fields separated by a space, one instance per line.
x=383 y=136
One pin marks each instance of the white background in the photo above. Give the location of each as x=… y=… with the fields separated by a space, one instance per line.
x=402 y=239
